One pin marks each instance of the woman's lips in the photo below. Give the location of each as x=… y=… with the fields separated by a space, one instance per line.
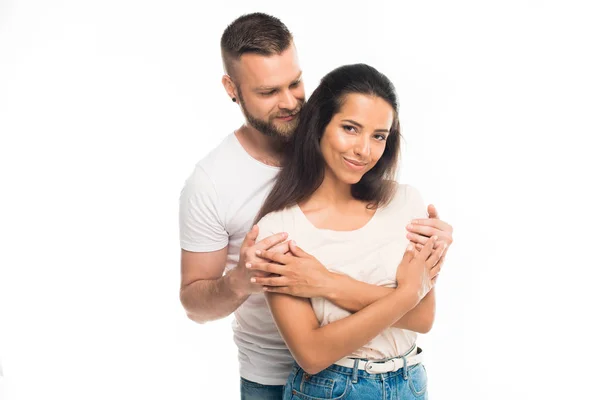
x=354 y=165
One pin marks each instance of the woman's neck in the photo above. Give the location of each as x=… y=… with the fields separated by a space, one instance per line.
x=332 y=192
x=333 y=207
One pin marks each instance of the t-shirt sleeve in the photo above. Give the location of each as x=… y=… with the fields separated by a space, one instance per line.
x=269 y=225
x=200 y=227
x=418 y=208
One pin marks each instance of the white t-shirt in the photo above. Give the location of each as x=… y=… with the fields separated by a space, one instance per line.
x=370 y=254
x=218 y=204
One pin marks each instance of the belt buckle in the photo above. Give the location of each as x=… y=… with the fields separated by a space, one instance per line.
x=371 y=367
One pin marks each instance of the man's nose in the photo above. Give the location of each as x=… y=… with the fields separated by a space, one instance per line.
x=287 y=100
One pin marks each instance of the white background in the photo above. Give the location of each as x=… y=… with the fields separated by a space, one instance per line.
x=105 y=107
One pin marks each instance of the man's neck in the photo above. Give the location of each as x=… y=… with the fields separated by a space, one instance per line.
x=268 y=150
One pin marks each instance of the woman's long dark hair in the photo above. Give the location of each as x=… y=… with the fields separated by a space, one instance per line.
x=303 y=168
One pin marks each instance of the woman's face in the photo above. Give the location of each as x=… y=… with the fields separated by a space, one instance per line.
x=354 y=139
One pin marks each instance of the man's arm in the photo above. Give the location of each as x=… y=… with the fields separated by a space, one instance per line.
x=206 y=294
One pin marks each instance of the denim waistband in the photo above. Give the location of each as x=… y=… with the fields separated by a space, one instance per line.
x=355 y=372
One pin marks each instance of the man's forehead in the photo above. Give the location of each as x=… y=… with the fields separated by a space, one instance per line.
x=276 y=70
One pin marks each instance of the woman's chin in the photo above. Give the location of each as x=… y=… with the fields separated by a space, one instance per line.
x=348 y=178
x=352 y=179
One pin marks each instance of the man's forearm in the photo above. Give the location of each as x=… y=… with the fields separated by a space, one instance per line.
x=208 y=300
x=353 y=295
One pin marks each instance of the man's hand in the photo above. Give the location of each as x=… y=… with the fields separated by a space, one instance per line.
x=241 y=275
x=420 y=230
x=297 y=273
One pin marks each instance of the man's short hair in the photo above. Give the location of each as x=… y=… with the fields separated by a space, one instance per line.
x=255 y=33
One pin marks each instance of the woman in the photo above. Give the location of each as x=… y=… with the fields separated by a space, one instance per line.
x=336 y=197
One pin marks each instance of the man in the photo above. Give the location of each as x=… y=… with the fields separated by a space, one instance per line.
x=225 y=191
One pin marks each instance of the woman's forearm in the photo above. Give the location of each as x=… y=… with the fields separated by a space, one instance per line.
x=353 y=295
x=322 y=346
x=419 y=319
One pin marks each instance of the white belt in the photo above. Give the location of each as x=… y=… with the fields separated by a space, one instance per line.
x=379 y=367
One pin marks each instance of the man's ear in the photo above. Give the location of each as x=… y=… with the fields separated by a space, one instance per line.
x=229 y=87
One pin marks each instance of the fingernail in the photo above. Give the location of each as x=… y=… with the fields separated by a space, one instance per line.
x=258 y=252
x=248 y=265
x=253 y=280
x=409 y=226
x=294 y=242
x=409 y=247
x=283 y=235
x=434 y=238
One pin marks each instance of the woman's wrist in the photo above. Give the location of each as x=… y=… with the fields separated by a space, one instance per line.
x=407 y=294
x=331 y=289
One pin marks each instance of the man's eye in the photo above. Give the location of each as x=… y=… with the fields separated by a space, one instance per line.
x=295 y=84
x=272 y=92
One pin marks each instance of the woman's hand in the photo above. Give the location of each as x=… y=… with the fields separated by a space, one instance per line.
x=296 y=273
x=417 y=271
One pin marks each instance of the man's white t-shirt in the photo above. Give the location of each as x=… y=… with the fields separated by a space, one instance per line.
x=218 y=204
x=370 y=254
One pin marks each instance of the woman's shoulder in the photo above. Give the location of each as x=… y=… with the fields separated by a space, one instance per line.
x=275 y=220
x=406 y=197
x=404 y=193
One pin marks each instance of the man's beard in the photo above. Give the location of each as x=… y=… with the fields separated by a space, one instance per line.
x=283 y=132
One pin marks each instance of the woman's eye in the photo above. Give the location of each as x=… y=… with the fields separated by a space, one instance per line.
x=349 y=128
x=380 y=137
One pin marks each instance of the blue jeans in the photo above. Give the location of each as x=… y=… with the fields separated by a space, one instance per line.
x=337 y=382
x=255 y=391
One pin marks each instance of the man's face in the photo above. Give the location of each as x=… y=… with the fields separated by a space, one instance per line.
x=271 y=92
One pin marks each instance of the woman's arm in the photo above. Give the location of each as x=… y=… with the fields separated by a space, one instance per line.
x=301 y=274
x=419 y=319
x=314 y=347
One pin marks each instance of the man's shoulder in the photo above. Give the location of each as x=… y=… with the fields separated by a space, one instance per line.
x=220 y=163
x=229 y=175
x=210 y=168
x=221 y=155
